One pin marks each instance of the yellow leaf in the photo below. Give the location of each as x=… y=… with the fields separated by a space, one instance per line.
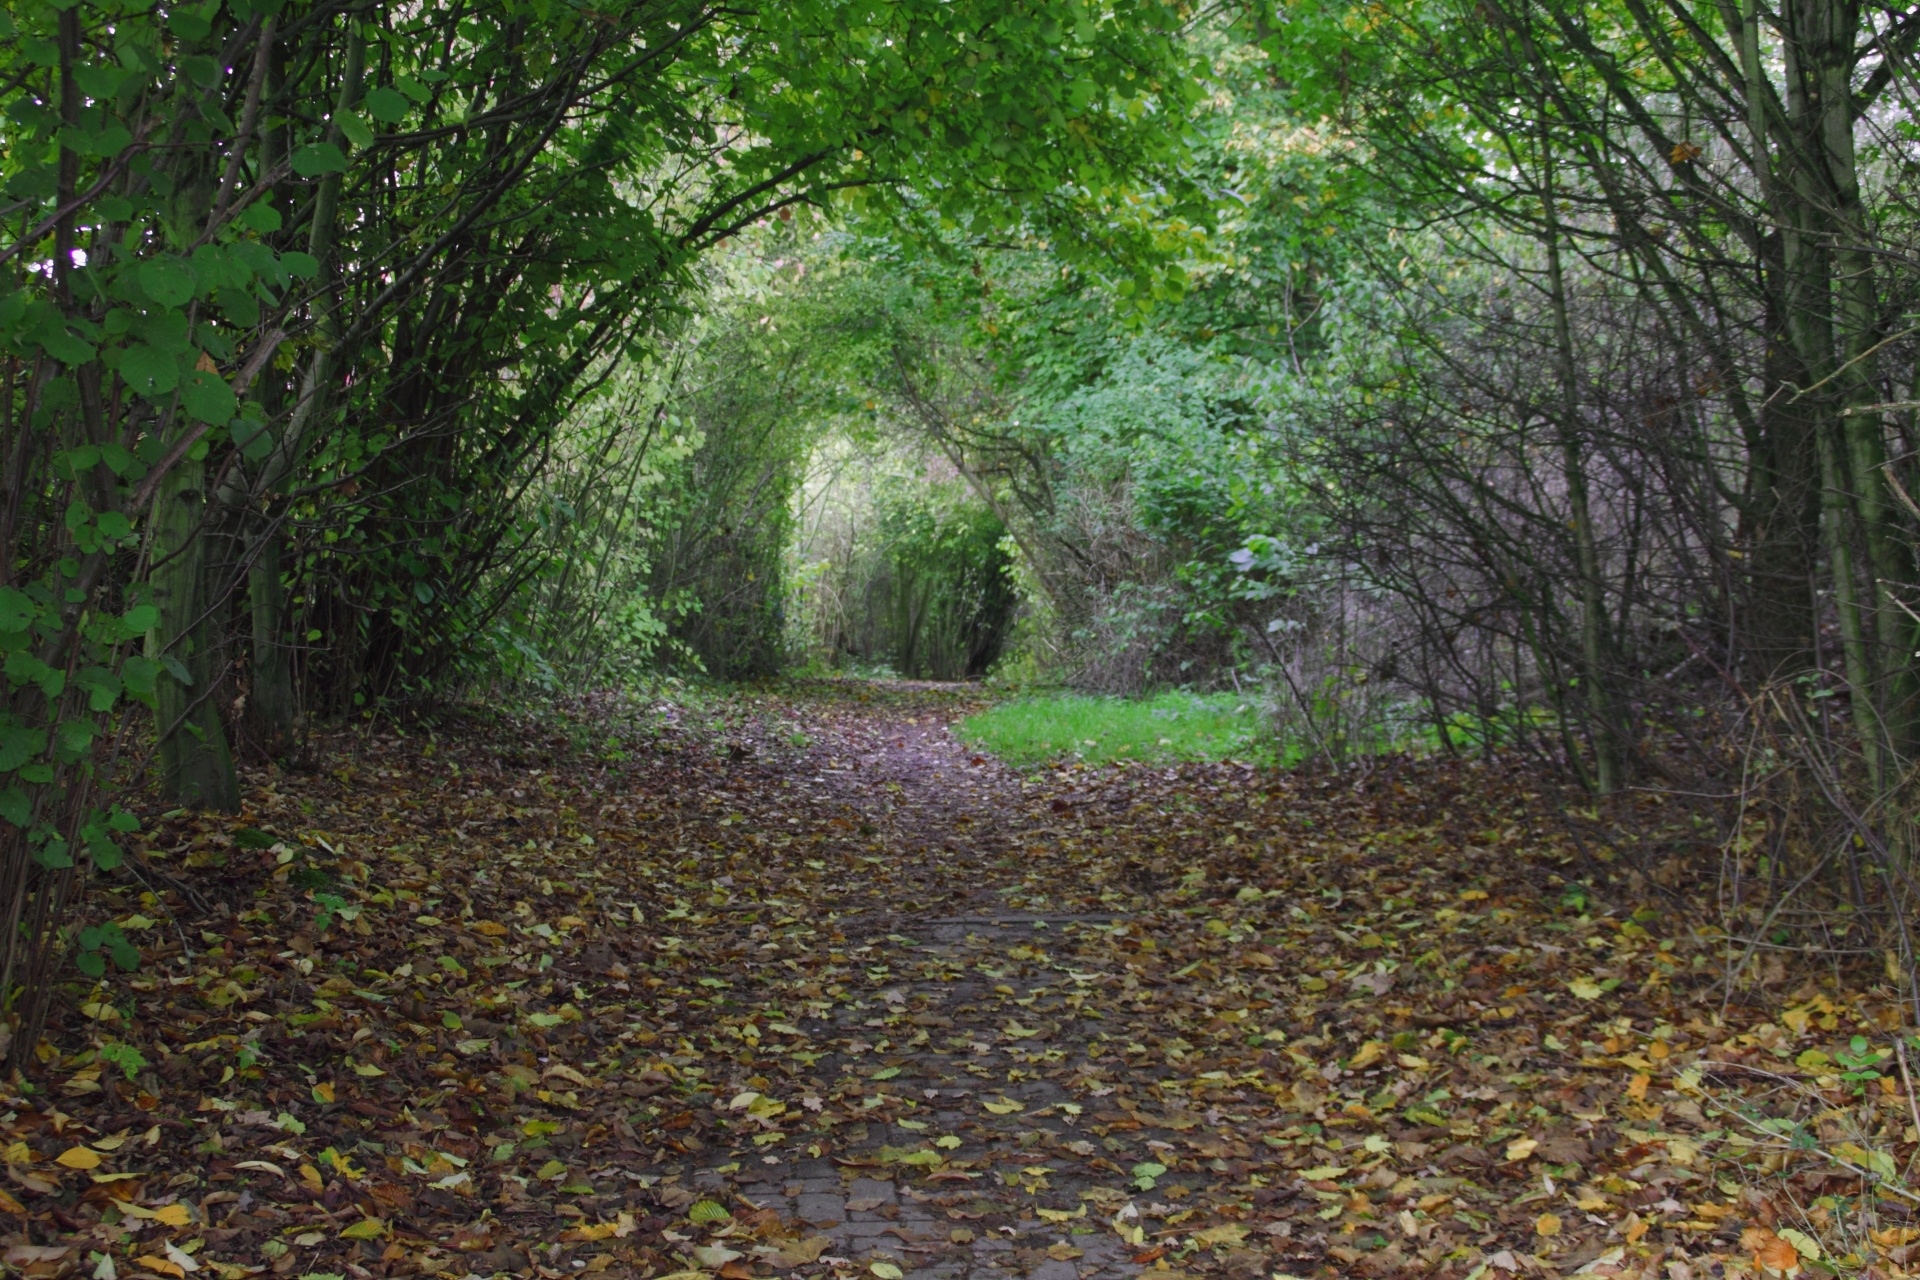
x=490 y=928
x=1586 y=988
x=310 y=1179
x=1228 y=1233
x=365 y=1229
x=159 y=1266
x=592 y=1231
x=1637 y=1087
x=1805 y=1244
x=1004 y=1106
x=9 y=1205
x=946 y=1142
x=1547 y=1224
x=78 y=1158
x=323 y=1092
x=173 y=1215
x=367 y=1069
x=1370 y=1052
x=1522 y=1148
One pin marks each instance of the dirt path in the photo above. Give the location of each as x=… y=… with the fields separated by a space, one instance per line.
x=800 y=986
x=959 y=1036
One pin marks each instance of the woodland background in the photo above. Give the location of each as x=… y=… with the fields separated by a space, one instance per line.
x=1524 y=375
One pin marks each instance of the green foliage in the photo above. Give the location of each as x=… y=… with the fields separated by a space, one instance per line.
x=898 y=565
x=124 y=1056
x=98 y=943
x=297 y=305
x=331 y=906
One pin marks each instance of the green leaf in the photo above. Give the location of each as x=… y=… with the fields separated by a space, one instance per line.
x=354 y=129
x=24 y=668
x=261 y=217
x=318 y=158
x=17 y=610
x=208 y=398
x=19 y=744
x=150 y=371
x=188 y=25
x=389 y=106
x=105 y=853
x=64 y=347
x=168 y=280
x=138 y=674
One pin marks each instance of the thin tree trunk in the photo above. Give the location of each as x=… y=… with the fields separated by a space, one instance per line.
x=1609 y=747
x=196 y=764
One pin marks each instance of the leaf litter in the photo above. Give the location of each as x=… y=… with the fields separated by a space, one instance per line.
x=797 y=984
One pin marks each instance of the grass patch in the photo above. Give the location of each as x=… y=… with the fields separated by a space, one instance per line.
x=1168 y=726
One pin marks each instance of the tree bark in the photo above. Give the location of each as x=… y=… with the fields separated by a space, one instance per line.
x=196 y=762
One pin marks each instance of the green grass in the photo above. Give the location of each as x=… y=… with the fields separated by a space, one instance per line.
x=1169 y=726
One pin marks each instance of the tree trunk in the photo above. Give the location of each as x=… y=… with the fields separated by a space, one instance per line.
x=196 y=764
x=272 y=707
x=1608 y=725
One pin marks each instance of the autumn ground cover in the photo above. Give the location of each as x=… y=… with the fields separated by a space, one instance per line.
x=796 y=983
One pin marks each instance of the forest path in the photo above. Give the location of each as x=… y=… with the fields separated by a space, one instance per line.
x=791 y=983
x=964 y=1032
